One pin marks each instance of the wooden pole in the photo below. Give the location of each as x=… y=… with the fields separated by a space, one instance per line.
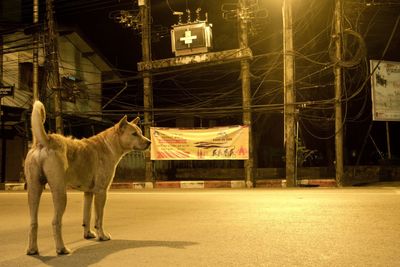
x=289 y=95
x=3 y=145
x=388 y=141
x=3 y=138
x=144 y=6
x=338 y=94
x=246 y=94
x=35 y=52
x=53 y=60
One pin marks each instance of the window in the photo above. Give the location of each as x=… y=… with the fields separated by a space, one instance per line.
x=26 y=76
x=71 y=89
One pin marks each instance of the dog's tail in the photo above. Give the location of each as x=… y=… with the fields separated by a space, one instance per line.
x=37 y=120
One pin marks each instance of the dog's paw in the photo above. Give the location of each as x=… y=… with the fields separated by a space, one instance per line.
x=63 y=251
x=104 y=237
x=32 y=251
x=89 y=235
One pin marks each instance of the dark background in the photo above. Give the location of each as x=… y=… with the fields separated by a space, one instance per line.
x=189 y=92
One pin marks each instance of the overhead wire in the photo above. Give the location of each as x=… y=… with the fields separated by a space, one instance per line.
x=258 y=89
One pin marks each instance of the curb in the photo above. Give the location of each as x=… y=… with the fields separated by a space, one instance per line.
x=12 y=186
x=318 y=182
x=267 y=183
x=179 y=184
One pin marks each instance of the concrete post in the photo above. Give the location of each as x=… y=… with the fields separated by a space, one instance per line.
x=246 y=92
x=338 y=94
x=145 y=14
x=289 y=94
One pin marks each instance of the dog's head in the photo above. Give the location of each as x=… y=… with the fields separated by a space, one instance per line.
x=130 y=135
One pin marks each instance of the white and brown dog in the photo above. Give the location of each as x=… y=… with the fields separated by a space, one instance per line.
x=86 y=164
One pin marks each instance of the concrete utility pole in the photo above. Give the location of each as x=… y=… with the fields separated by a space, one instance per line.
x=289 y=94
x=145 y=15
x=243 y=18
x=35 y=52
x=52 y=54
x=3 y=138
x=388 y=141
x=338 y=93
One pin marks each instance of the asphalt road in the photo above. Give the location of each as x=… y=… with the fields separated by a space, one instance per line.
x=259 y=227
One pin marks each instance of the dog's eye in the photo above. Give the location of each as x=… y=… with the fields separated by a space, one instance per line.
x=134 y=133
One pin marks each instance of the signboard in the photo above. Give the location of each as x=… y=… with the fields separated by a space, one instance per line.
x=193 y=38
x=6 y=91
x=220 y=143
x=385 y=90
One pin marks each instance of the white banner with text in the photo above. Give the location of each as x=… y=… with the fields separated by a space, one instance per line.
x=219 y=143
x=385 y=90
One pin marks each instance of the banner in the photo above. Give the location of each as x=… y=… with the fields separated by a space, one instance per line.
x=385 y=84
x=220 y=143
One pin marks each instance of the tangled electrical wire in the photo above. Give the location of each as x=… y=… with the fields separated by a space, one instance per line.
x=358 y=56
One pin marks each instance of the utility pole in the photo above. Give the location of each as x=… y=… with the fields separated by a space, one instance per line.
x=52 y=55
x=145 y=15
x=243 y=18
x=35 y=52
x=338 y=93
x=3 y=139
x=289 y=94
x=388 y=141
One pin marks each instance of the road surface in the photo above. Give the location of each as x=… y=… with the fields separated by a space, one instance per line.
x=218 y=227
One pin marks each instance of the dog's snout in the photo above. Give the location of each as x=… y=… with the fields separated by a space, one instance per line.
x=148 y=143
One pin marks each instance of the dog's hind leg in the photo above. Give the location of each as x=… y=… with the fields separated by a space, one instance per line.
x=99 y=203
x=35 y=189
x=59 y=195
x=87 y=213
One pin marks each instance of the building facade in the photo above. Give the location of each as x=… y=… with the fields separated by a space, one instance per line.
x=82 y=75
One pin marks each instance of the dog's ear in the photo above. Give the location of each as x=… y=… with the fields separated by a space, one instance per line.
x=122 y=123
x=135 y=120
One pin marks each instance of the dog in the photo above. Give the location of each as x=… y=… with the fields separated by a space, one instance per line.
x=85 y=164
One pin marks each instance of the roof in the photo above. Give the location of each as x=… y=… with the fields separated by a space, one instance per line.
x=88 y=50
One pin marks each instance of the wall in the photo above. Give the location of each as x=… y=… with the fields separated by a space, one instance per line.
x=11 y=62
x=73 y=63
x=353 y=175
x=14 y=159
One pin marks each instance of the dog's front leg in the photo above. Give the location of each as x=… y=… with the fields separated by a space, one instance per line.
x=99 y=203
x=87 y=213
